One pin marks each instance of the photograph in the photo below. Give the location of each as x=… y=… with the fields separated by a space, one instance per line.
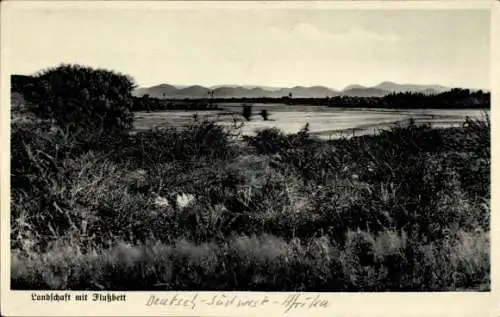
x=268 y=149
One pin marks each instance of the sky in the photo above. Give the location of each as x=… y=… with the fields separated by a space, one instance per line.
x=284 y=47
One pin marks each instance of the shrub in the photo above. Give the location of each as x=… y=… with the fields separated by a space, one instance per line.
x=273 y=140
x=372 y=213
x=83 y=98
x=270 y=140
x=264 y=114
x=478 y=135
x=198 y=140
x=247 y=112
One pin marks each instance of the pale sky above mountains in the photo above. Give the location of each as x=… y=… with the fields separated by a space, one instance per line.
x=333 y=48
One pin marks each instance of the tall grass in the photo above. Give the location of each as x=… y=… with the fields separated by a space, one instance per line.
x=195 y=208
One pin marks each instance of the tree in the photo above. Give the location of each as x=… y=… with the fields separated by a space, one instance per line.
x=264 y=114
x=146 y=103
x=247 y=112
x=82 y=98
x=211 y=97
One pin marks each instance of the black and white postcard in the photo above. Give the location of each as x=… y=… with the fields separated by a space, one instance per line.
x=247 y=158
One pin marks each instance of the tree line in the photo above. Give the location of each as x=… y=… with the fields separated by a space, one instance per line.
x=456 y=98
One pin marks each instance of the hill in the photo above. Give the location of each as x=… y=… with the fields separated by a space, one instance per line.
x=248 y=91
x=397 y=88
x=168 y=91
x=235 y=91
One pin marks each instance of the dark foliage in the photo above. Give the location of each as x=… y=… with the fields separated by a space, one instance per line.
x=81 y=98
x=409 y=207
x=264 y=114
x=247 y=112
x=406 y=209
x=454 y=99
x=147 y=103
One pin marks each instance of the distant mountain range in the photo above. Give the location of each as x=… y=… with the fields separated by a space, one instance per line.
x=248 y=91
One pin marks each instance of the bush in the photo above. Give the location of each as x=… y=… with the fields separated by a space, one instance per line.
x=270 y=140
x=247 y=112
x=82 y=98
x=264 y=114
x=198 y=140
x=301 y=214
x=273 y=140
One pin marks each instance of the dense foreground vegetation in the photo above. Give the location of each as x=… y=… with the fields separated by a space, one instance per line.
x=405 y=210
x=201 y=208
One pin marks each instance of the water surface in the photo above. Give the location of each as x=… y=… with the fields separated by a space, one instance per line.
x=323 y=121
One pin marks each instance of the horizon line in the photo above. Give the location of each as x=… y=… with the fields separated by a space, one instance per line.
x=264 y=86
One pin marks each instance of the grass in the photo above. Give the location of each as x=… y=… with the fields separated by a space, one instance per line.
x=201 y=209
